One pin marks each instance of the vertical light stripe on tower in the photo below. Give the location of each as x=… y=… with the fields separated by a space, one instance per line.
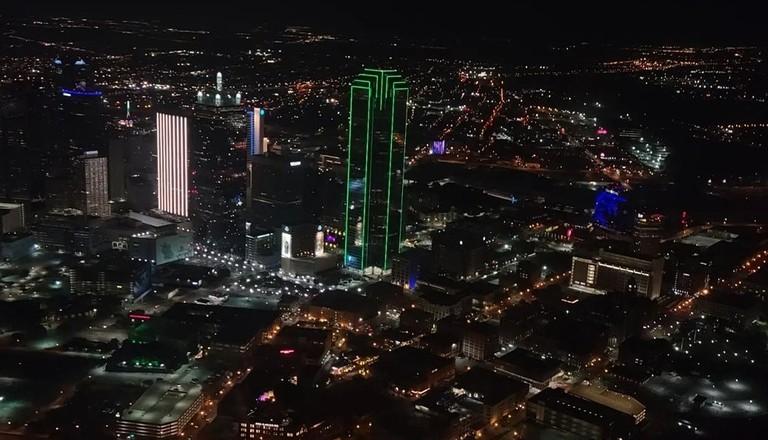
x=172 y=164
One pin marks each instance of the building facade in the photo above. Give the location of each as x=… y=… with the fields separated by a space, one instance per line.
x=610 y=271
x=173 y=164
x=375 y=166
x=256 y=144
x=94 y=182
x=219 y=164
x=161 y=412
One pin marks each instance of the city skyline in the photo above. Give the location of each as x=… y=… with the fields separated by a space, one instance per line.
x=433 y=221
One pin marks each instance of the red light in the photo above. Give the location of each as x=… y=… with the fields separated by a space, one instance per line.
x=287 y=351
x=601 y=131
x=139 y=317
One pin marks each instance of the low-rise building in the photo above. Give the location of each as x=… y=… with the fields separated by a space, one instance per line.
x=497 y=396
x=738 y=309
x=161 y=412
x=412 y=372
x=537 y=371
x=556 y=408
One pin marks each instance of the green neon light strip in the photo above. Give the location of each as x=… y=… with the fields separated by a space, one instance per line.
x=402 y=173
x=349 y=168
x=389 y=179
x=379 y=84
x=366 y=183
x=378 y=89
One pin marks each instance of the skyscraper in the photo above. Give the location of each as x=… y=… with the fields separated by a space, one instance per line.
x=277 y=189
x=172 y=164
x=375 y=165
x=256 y=131
x=219 y=174
x=94 y=185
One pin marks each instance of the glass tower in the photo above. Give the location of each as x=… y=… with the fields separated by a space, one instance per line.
x=373 y=218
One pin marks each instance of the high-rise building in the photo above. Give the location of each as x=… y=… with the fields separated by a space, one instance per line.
x=373 y=221
x=610 y=271
x=277 y=189
x=219 y=176
x=172 y=164
x=256 y=141
x=20 y=166
x=94 y=185
x=118 y=151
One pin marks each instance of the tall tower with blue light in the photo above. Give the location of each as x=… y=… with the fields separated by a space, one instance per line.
x=256 y=131
x=374 y=214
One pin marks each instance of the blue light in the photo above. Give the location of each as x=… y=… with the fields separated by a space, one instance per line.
x=76 y=92
x=356 y=184
x=412 y=279
x=438 y=148
x=608 y=208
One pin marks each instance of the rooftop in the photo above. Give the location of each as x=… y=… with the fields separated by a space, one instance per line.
x=558 y=400
x=148 y=220
x=488 y=387
x=346 y=302
x=526 y=364
x=620 y=402
x=162 y=403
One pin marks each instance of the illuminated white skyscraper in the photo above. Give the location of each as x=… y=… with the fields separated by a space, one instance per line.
x=256 y=139
x=95 y=185
x=172 y=164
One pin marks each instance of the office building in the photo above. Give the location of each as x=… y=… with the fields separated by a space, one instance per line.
x=112 y=274
x=11 y=217
x=539 y=372
x=480 y=341
x=160 y=241
x=80 y=117
x=411 y=372
x=302 y=240
x=259 y=243
x=459 y=254
x=556 y=408
x=606 y=271
x=277 y=190
x=302 y=250
x=94 y=184
x=77 y=125
x=172 y=164
x=19 y=172
x=620 y=402
x=68 y=231
x=343 y=309
x=218 y=160
x=740 y=310
x=256 y=141
x=691 y=276
x=498 y=396
x=161 y=412
x=119 y=155
x=409 y=266
x=373 y=218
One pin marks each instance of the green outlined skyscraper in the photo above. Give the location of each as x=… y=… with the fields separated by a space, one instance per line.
x=373 y=218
